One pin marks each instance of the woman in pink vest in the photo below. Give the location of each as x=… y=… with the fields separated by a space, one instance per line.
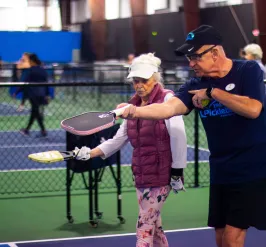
x=159 y=151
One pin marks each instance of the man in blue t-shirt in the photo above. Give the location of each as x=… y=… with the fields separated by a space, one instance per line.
x=229 y=95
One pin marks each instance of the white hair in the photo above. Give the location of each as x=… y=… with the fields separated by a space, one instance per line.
x=254 y=50
x=149 y=58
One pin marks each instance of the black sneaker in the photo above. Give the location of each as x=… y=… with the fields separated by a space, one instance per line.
x=24 y=132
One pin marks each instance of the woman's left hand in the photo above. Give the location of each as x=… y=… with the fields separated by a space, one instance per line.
x=177 y=184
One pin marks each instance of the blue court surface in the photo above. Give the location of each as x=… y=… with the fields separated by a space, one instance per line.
x=12 y=142
x=181 y=238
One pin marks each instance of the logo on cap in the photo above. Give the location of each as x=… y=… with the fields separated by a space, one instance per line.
x=190 y=36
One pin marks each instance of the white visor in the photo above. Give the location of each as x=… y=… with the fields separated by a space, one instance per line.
x=142 y=70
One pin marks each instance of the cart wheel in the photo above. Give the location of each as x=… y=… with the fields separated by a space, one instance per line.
x=94 y=224
x=122 y=220
x=99 y=215
x=70 y=219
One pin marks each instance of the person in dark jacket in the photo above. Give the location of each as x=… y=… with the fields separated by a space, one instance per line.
x=19 y=72
x=159 y=150
x=38 y=96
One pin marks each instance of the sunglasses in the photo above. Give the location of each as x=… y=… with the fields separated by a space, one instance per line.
x=196 y=57
x=138 y=80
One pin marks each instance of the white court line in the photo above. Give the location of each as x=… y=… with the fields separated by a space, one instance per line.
x=57 y=145
x=188 y=162
x=12 y=244
x=203 y=149
x=200 y=161
x=63 y=168
x=35 y=169
x=16 y=131
x=105 y=236
x=35 y=145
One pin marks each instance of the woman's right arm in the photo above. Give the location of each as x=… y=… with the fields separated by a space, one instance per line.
x=111 y=146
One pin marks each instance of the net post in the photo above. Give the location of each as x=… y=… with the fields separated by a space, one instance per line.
x=196 y=148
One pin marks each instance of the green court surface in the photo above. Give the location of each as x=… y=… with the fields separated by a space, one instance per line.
x=32 y=216
x=52 y=182
x=45 y=217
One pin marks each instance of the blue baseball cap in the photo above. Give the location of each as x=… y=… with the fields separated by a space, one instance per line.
x=203 y=35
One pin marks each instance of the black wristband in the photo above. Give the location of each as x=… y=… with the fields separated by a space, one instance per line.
x=177 y=172
x=209 y=92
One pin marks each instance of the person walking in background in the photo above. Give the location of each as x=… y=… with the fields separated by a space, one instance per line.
x=234 y=122
x=38 y=96
x=254 y=52
x=159 y=151
x=1 y=63
x=19 y=74
x=130 y=58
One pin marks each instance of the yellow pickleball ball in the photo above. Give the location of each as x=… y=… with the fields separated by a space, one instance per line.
x=205 y=102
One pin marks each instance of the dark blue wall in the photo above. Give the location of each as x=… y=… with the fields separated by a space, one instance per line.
x=50 y=46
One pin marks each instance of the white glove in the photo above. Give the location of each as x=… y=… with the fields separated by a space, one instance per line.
x=177 y=184
x=83 y=153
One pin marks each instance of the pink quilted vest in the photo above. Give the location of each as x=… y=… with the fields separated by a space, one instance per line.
x=152 y=159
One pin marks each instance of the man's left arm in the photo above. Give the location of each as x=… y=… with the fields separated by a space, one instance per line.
x=251 y=102
x=242 y=105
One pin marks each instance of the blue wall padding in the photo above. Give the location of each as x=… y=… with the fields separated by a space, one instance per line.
x=50 y=46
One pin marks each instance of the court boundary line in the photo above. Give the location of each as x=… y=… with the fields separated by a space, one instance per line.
x=34 y=169
x=26 y=110
x=34 y=145
x=11 y=244
x=104 y=236
x=202 y=149
x=190 y=146
x=63 y=168
x=34 y=130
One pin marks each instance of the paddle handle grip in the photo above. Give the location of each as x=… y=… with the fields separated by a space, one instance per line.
x=119 y=111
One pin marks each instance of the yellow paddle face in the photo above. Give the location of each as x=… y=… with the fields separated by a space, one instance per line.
x=47 y=157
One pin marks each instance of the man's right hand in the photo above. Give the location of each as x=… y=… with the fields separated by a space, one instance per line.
x=121 y=105
x=129 y=112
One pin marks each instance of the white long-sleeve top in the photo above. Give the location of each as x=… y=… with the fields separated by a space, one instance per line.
x=178 y=140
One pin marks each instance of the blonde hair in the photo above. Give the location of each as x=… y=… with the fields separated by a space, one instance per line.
x=255 y=50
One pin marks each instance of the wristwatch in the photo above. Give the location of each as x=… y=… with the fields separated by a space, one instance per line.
x=209 y=92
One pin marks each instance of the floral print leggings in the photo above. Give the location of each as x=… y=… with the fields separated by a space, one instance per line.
x=149 y=224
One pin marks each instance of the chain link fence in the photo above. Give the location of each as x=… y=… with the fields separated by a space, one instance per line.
x=21 y=177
